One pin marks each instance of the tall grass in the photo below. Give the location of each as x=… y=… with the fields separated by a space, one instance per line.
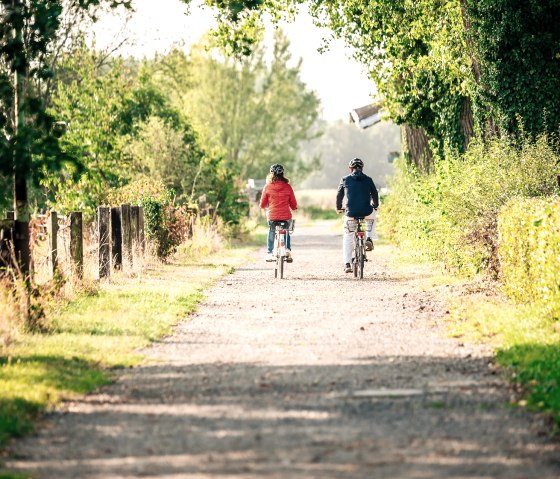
x=206 y=238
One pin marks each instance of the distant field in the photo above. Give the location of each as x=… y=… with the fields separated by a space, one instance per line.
x=323 y=198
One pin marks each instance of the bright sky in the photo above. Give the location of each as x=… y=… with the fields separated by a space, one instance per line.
x=156 y=25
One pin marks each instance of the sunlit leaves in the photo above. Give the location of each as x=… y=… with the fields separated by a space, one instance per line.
x=251 y=112
x=516 y=44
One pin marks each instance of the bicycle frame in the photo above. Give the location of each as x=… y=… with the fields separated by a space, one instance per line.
x=281 y=231
x=359 y=251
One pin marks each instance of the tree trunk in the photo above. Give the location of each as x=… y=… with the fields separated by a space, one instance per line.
x=475 y=65
x=490 y=128
x=21 y=207
x=467 y=122
x=416 y=148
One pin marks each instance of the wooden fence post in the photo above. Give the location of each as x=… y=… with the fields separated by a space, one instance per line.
x=52 y=231
x=134 y=223
x=141 y=234
x=6 y=243
x=126 y=235
x=104 y=234
x=77 y=243
x=193 y=212
x=116 y=237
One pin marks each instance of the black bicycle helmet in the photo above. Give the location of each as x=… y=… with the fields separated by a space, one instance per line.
x=276 y=169
x=356 y=163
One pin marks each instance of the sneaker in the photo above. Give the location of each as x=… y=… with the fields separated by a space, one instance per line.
x=369 y=244
x=289 y=258
x=269 y=257
x=347 y=268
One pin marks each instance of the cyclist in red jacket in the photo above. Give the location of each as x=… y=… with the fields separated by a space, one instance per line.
x=278 y=196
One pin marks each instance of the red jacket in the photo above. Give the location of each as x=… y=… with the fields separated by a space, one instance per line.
x=280 y=199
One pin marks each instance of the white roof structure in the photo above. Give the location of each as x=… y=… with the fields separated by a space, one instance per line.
x=366 y=116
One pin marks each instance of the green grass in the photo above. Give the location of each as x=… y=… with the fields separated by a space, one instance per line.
x=9 y=475
x=318 y=213
x=94 y=334
x=526 y=339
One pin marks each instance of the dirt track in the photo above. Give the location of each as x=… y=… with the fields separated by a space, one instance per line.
x=316 y=376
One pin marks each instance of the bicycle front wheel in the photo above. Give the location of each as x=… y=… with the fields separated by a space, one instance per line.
x=282 y=266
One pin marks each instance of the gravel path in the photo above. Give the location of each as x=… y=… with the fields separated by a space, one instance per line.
x=315 y=376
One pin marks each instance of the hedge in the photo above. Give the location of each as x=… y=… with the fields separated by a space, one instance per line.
x=529 y=250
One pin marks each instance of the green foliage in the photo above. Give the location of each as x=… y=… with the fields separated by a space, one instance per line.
x=248 y=111
x=24 y=54
x=451 y=215
x=123 y=128
x=157 y=226
x=161 y=217
x=536 y=369
x=451 y=67
x=135 y=191
x=147 y=101
x=29 y=31
x=414 y=51
x=529 y=248
x=517 y=45
x=170 y=155
x=415 y=54
x=90 y=101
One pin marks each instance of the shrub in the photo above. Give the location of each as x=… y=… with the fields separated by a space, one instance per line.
x=167 y=225
x=529 y=250
x=451 y=214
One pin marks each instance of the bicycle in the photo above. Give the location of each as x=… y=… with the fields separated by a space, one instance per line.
x=359 y=257
x=282 y=228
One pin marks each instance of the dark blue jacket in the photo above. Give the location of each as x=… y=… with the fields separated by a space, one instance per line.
x=361 y=194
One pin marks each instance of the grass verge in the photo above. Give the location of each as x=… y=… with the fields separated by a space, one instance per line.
x=95 y=334
x=526 y=340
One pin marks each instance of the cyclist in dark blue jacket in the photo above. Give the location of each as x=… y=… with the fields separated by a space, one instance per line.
x=362 y=200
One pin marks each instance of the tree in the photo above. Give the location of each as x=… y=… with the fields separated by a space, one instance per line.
x=250 y=112
x=90 y=100
x=28 y=31
x=440 y=65
x=414 y=51
x=162 y=152
x=515 y=47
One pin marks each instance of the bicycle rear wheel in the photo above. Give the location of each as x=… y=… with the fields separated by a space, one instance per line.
x=281 y=267
x=361 y=259
x=355 y=257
